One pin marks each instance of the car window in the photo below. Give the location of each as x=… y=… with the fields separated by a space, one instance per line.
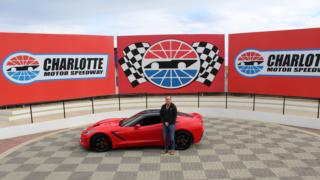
x=150 y=120
x=135 y=119
x=132 y=120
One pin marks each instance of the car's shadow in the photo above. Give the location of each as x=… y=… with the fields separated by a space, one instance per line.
x=144 y=148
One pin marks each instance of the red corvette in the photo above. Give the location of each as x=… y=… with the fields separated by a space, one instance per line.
x=142 y=129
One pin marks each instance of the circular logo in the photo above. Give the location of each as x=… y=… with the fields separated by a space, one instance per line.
x=21 y=68
x=249 y=63
x=171 y=64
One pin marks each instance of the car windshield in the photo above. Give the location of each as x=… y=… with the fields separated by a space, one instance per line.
x=127 y=121
x=133 y=119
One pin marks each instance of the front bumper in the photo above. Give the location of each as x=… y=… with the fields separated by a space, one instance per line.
x=84 y=141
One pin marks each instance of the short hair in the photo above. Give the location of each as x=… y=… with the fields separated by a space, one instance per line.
x=168 y=96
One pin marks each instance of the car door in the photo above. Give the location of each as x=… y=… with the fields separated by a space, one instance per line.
x=147 y=133
x=151 y=130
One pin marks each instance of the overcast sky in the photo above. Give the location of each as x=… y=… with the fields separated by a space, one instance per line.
x=130 y=17
x=127 y=17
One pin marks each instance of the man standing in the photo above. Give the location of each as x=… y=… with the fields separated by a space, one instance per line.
x=168 y=115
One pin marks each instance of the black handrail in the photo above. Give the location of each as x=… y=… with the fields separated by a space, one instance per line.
x=226 y=94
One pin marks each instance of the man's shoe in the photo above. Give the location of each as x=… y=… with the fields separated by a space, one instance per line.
x=164 y=152
x=172 y=152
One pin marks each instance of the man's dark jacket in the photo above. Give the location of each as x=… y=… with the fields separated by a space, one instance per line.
x=168 y=115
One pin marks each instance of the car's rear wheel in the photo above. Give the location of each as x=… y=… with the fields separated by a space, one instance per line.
x=183 y=140
x=100 y=143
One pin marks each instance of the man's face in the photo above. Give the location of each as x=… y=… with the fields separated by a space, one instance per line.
x=168 y=100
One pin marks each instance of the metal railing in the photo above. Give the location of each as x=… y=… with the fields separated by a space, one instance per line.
x=146 y=100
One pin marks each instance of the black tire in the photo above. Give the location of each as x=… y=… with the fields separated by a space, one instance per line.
x=100 y=143
x=183 y=140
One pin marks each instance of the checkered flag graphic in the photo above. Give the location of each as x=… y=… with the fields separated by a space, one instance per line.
x=210 y=61
x=131 y=62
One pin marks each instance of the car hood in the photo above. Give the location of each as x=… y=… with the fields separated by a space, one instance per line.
x=106 y=122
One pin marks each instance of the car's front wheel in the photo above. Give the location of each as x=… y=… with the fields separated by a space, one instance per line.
x=183 y=140
x=100 y=143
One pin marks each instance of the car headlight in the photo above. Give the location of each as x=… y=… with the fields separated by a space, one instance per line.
x=87 y=132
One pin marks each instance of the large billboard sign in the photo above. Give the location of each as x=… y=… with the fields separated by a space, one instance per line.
x=40 y=68
x=277 y=63
x=171 y=64
x=253 y=63
x=25 y=68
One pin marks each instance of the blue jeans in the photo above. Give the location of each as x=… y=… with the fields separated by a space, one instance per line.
x=169 y=130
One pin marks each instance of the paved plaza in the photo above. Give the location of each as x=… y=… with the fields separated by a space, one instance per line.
x=230 y=149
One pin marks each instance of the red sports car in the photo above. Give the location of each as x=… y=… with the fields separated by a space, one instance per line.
x=142 y=129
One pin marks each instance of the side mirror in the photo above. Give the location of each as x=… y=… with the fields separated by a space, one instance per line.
x=137 y=126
